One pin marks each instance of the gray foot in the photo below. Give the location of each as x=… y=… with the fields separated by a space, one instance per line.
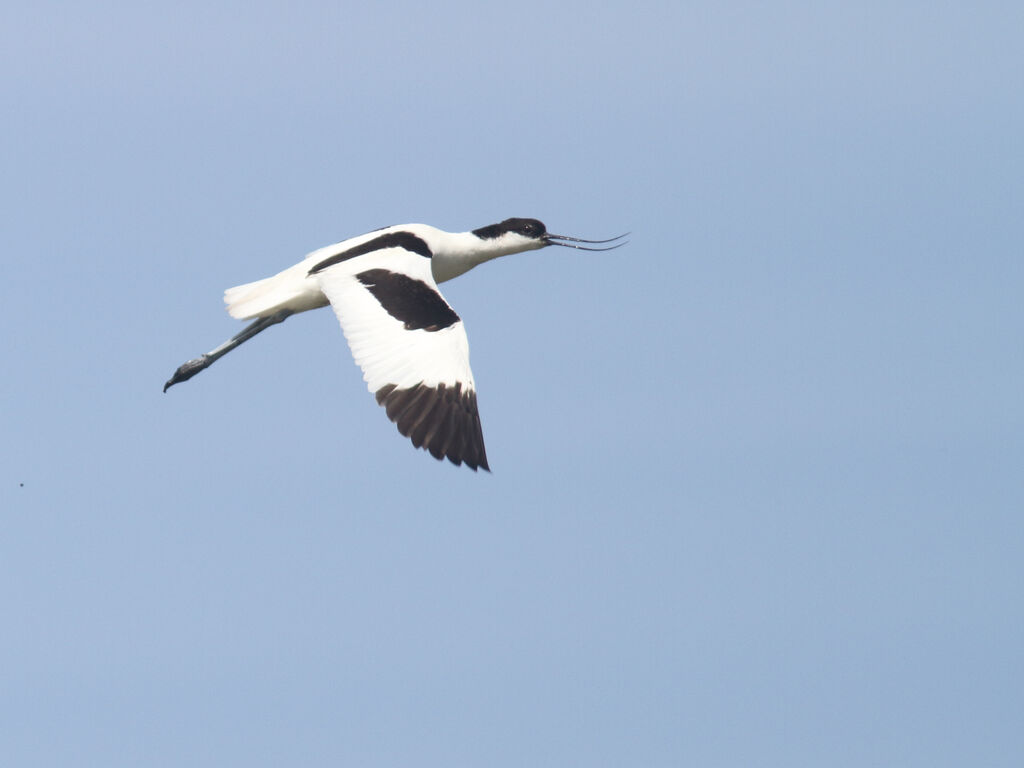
x=187 y=370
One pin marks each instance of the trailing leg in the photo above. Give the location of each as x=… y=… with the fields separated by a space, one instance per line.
x=189 y=369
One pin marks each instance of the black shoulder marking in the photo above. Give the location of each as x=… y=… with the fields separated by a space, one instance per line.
x=441 y=419
x=525 y=227
x=406 y=240
x=411 y=301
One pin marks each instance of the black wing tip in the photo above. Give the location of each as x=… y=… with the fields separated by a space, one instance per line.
x=441 y=419
x=481 y=463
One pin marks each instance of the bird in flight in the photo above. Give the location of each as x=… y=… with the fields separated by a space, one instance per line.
x=408 y=341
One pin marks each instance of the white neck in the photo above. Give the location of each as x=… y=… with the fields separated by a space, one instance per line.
x=458 y=252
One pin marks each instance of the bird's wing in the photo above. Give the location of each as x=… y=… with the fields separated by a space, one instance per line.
x=411 y=346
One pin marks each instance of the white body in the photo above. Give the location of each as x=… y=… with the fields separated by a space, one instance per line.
x=295 y=289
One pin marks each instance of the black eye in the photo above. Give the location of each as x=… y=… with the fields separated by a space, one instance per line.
x=527 y=227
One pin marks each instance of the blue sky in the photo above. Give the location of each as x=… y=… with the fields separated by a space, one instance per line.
x=757 y=483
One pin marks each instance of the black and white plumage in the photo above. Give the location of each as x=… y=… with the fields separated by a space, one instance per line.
x=409 y=342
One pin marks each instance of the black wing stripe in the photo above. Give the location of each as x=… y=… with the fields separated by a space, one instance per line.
x=406 y=240
x=412 y=302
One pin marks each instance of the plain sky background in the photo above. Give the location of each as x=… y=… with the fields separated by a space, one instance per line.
x=758 y=476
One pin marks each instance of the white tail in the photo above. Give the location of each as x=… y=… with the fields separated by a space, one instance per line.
x=291 y=289
x=249 y=300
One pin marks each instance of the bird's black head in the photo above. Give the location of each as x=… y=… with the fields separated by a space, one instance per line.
x=535 y=231
x=530 y=228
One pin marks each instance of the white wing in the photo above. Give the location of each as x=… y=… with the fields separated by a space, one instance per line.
x=410 y=344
